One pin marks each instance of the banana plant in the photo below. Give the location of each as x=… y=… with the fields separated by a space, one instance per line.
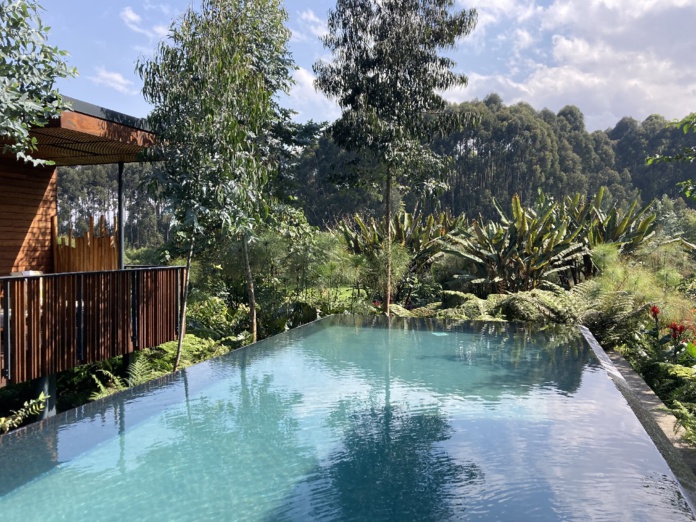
x=628 y=229
x=415 y=233
x=519 y=251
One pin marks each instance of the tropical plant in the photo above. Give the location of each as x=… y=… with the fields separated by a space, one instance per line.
x=16 y=418
x=517 y=253
x=413 y=232
x=628 y=230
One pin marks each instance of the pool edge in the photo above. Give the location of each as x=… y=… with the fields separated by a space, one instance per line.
x=655 y=417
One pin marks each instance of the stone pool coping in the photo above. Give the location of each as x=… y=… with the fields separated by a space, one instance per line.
x=652 y=403
x=656 y=418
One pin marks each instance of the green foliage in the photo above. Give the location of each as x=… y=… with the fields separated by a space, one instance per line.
x=212 y=84
x=16 y=418
x=517 y=253
x=28 y=71
x=146 y=256
x=629 y=229
x=211 y=318
x=107 y=385
x=387 y=76
x=195 y=349
x=92 y=191
x=512 y=150
x=688 y=155
x=686 y=417
x=537 y=306
x=387 y=72
x=612 y=316
x=411 y=233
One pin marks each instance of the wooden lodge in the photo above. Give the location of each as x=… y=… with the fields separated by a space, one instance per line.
x=53 y=320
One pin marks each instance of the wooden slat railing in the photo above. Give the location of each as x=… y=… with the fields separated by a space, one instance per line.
x=55 y=322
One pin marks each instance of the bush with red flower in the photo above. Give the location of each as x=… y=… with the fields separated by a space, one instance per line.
x=675 y=342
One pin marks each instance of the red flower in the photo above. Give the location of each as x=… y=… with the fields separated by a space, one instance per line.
x=677 y=330
x=654 y=311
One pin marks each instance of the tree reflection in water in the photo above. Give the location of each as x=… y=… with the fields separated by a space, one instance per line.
x=390 y=467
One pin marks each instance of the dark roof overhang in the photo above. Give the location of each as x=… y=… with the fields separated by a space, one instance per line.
x=90 y=135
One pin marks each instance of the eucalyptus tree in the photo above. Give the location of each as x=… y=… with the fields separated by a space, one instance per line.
x=386 y=75
x=28 y=70
x=212 y=84
x=686 y=155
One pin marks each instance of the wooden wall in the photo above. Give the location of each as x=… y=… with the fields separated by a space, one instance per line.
x=27 y=206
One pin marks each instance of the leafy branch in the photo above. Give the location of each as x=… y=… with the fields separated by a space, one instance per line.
x=16 y=418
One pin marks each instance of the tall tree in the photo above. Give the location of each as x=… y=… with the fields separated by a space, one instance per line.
x=29 y=68
x=687 y=154
x=386 y=76
x=212 y=85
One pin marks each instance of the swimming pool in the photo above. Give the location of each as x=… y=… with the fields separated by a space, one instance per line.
x=355 y=419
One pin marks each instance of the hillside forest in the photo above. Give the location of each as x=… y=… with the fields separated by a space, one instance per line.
x=513 y=150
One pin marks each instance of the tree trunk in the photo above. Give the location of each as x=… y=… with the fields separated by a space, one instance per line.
x=387 y=228
x=184 y=302
x=250 y=288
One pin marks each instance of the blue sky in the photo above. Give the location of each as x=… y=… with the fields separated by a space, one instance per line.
x=611 y=58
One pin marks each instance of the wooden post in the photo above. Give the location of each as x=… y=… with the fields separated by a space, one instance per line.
x=121 y=234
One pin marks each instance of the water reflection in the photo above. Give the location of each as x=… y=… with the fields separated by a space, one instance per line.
x=390 y=466
x=420 y=421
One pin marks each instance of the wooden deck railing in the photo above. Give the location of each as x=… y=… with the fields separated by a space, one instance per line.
x=55 y=322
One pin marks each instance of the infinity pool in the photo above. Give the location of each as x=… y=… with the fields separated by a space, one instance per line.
x=353 y=419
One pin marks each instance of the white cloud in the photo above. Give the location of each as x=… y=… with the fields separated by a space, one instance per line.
x=164 y=8
x=160 y=31
x=316 y=25
x=494 y=12
x=610 y=15
x=309 y=103
x=134 y=22
x=611 y=58
x=113 y=80
x=310 y=25
x=522 y=39
x=131 y=19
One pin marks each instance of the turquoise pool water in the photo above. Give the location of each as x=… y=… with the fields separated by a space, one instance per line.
x=346 y=419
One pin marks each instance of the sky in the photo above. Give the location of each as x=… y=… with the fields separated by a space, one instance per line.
x=610 y=58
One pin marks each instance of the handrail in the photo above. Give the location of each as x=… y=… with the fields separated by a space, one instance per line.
x=128 y=268
x=54 y=322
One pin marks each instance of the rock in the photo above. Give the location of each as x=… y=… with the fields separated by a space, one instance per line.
x=303 y=313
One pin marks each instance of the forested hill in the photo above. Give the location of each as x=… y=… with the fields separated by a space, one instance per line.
x=513 y=150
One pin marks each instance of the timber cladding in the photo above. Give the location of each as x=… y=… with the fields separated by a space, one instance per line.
x=27 y=206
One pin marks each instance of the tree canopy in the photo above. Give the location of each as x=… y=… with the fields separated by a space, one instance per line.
x=686 y=155
x=28 y=71
x=212 y=86
x=386 y=75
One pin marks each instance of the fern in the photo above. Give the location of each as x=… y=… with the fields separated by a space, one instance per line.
x=29 y=409
x=538 y=306
x=115 y=384
x=139 y=371
x=613 y=317
x=684 y=413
